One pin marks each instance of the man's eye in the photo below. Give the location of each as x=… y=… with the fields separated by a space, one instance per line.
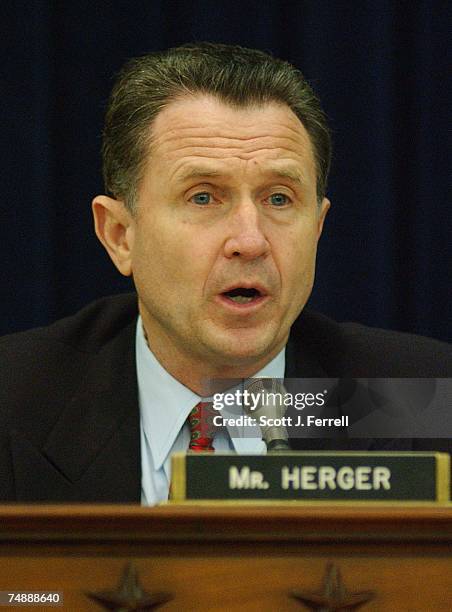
x=201 y=198
x=279 y=199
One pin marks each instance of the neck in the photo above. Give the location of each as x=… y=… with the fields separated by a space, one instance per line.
x=205 y=378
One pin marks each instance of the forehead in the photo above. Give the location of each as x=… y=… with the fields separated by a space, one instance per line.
x=202 y=128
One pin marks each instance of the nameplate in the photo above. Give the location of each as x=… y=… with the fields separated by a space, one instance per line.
x=304 y=476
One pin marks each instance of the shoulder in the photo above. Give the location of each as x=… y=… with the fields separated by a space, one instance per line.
x=86 y=331
x=355 y=350
x=52 y=360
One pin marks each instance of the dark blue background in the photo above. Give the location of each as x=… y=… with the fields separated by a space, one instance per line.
x=380 y=70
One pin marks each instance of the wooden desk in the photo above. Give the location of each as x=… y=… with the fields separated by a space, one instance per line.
x=212 y=558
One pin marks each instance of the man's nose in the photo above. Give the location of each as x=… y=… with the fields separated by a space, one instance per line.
x=246 y=238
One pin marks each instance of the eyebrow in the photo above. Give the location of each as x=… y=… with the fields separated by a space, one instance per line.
x=281 y=172
x=195 y=173
x=287 y=173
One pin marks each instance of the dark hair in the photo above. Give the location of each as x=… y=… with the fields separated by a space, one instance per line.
x=237 y=76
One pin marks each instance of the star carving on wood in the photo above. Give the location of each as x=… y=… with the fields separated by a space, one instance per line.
x=129 y=595
x=334 y=596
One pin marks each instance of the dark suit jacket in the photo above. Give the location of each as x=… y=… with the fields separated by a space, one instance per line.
x=69 y=416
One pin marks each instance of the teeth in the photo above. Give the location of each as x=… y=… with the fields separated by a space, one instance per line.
x=241 y=299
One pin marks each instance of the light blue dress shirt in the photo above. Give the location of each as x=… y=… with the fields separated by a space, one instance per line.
x=165 y=404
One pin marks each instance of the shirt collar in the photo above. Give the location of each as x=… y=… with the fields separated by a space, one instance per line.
x=165 y=403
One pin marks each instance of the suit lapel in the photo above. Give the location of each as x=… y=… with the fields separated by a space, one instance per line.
x=93 y=451
x=303 y=361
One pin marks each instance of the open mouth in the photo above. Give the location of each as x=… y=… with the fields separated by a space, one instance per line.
x=243 y=295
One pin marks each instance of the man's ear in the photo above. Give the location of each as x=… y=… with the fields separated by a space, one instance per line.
x=114 y=226
x=323 y=209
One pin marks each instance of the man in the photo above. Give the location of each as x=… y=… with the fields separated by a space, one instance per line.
x=215 y=164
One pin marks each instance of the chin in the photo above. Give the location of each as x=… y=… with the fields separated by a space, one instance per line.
x=244 y=346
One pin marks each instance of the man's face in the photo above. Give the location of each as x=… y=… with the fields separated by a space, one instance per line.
x=226 y=231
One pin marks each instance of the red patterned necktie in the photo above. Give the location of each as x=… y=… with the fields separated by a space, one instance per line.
x=202 y=428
